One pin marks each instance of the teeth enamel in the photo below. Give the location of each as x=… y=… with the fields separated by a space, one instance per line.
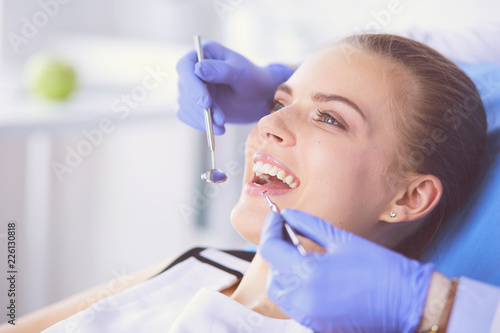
x=266 y=170
x=258 y=165
x=274 y=170
x=288 y=180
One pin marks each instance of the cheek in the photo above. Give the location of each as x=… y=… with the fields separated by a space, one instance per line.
x=253 y=142
x=333 y=168
x=341 y=185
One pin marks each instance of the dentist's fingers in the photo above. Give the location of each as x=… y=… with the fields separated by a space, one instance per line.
x=214 y=50
x=218 y=120
x=280 y=253
x=192 y=105
x=216 y=71
x=196 y=119
x=190 y=84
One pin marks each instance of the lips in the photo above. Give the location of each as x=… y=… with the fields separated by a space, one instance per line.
x=271 y=175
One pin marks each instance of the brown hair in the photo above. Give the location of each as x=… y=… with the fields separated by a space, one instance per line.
x=440 y=121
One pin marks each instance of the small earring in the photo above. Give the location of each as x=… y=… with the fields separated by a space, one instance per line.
x=392 y=214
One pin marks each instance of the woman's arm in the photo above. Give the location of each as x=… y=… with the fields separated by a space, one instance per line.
x=461 y=305
x=438 y=304
x=48 y=316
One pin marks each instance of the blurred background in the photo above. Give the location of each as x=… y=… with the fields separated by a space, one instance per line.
x=97 y=173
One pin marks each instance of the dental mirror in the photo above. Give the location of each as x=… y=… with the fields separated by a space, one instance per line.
x=213 y=175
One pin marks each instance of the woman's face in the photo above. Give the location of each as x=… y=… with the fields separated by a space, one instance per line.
x=331 y=136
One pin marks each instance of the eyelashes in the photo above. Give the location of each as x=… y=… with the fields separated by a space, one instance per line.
x=276 y=106
x=325 y=117
x=321 y=116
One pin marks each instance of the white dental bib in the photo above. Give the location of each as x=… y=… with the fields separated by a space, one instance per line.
x=183 y=298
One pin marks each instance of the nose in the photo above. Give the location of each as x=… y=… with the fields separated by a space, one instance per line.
x=276 y=127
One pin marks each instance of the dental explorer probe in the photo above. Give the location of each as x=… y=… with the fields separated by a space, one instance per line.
x=293 y=236
x=211 y=175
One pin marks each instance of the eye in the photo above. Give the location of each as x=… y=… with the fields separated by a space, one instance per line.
x=329 y=119
x=276 y=106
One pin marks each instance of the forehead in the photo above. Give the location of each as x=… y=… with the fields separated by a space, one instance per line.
x=367 y=79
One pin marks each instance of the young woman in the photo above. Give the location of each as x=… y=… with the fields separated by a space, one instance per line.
x=378 y=135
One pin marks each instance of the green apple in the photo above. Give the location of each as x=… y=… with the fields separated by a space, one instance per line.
x=50 y=77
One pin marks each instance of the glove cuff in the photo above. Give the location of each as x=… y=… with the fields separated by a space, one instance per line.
x=421 y=283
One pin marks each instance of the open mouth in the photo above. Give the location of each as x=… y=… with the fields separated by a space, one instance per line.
x=271 y=176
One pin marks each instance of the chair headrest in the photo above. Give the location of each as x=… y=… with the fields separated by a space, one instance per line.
x=468 y=243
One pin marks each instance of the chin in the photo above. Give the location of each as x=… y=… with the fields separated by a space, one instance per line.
x=248 y=219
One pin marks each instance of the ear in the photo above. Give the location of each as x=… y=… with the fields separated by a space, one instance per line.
x=417 y=199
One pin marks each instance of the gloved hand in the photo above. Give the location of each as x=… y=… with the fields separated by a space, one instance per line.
x=238 y=91
x=356 y=286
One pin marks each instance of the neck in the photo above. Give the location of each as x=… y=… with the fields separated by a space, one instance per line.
x=251 y=291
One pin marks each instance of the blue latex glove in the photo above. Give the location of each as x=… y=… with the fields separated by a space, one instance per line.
x=356 y=286
x=238 y=91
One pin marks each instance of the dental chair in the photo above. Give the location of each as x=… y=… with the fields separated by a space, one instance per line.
x=468 y=243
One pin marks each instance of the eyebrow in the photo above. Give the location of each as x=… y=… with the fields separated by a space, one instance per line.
x=321 y=97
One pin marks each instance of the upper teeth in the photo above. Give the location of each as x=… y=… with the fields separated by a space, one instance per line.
x=262 y=170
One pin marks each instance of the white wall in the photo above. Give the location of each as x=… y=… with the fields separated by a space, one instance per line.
x=290 y=30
